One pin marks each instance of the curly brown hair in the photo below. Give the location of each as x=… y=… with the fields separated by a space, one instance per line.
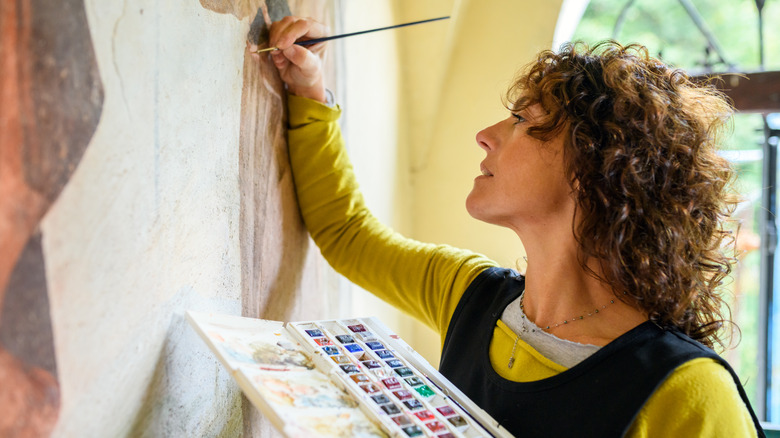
x=652 y=192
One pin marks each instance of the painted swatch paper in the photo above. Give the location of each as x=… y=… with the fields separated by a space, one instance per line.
x=340 y=378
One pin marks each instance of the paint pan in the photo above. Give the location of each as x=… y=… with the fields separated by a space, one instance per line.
x=402 y=394
x=436 y=426
x=412 y=431
x=413 y=381
x=425 y=415
x=349 y=369
x=425 y=391
x=384 y=354
x=402 y=420
x=394 y=363
x=374 y=345
x=391 y=383
x=341 y=359
x=322 y=341
x=345 y=339
x=380 y=399
x=413 y=404
x=446 y=411
x=366 y=336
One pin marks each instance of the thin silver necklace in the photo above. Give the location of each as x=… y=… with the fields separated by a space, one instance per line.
x=594 y=312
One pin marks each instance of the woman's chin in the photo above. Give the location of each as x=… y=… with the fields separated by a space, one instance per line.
x=475 y=208
x=471 y=205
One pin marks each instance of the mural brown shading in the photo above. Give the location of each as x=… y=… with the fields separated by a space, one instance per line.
x=280 y=277
x=52 y=99
x=274 y=241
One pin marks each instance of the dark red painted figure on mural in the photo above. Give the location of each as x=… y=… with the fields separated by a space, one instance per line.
x=51 y=98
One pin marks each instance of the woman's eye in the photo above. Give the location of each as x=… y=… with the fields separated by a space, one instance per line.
x=519 y=118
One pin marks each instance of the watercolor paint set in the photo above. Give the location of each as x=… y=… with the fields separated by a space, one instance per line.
x=340 y=378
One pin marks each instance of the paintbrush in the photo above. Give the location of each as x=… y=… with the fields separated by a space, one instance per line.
x=344 y=35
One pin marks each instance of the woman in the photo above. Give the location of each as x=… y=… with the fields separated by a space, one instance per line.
x=606 y=168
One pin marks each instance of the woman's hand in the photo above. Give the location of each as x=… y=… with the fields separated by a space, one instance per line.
x=300 y=67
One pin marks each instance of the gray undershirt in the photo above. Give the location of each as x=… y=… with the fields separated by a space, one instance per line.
x=560 y=351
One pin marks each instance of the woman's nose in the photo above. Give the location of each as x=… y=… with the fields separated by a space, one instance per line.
x=486 y=137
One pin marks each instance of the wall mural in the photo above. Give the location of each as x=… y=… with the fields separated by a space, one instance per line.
x=52 y=98
x=273 y=252
x=280 y=278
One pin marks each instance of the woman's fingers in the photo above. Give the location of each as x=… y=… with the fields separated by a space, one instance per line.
x=301 y=57
x=299 y=67
x=278 y=28
x=280 y=61
x=287 y=31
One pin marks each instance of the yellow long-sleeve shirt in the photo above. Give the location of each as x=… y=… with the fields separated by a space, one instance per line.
x=427 y=281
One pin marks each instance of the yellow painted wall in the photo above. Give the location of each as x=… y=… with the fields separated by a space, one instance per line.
x=368 y=92
x=451 y=88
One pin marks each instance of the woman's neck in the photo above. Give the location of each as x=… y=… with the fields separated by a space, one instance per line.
x=559 y=289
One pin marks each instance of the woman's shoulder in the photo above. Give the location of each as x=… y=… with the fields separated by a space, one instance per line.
x=699 y=398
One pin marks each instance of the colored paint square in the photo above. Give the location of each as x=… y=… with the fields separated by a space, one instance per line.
x=380 y=399
x=382 y=372
x=369 y=387
x=436 y=426
x=323 y=341
x=345 y=339
x=384 y=354
x=445 y=435
x=401 y=420
x=357 y=328
x=394 y=363
x=353 y=348
x=413 y=381
x=391 y=383
x=330 y=350
x=412 y=431
x=446 y=411
x=370 y=364
x=391 y=409
x=349 y=369
x=425 y=391
x=366 y=336
x=424 y=415
x=402 y=394
x=413 y=404
x=360 y=378
x=341 y=359
x=314 y=333
x=457 y=421
x=375 y=345
x=404 y=372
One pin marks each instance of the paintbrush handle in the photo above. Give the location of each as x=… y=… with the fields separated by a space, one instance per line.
x=344 y=35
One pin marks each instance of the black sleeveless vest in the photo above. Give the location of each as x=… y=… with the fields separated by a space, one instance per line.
x=599 y=397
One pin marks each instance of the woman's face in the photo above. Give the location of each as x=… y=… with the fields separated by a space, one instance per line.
x=523 y=181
